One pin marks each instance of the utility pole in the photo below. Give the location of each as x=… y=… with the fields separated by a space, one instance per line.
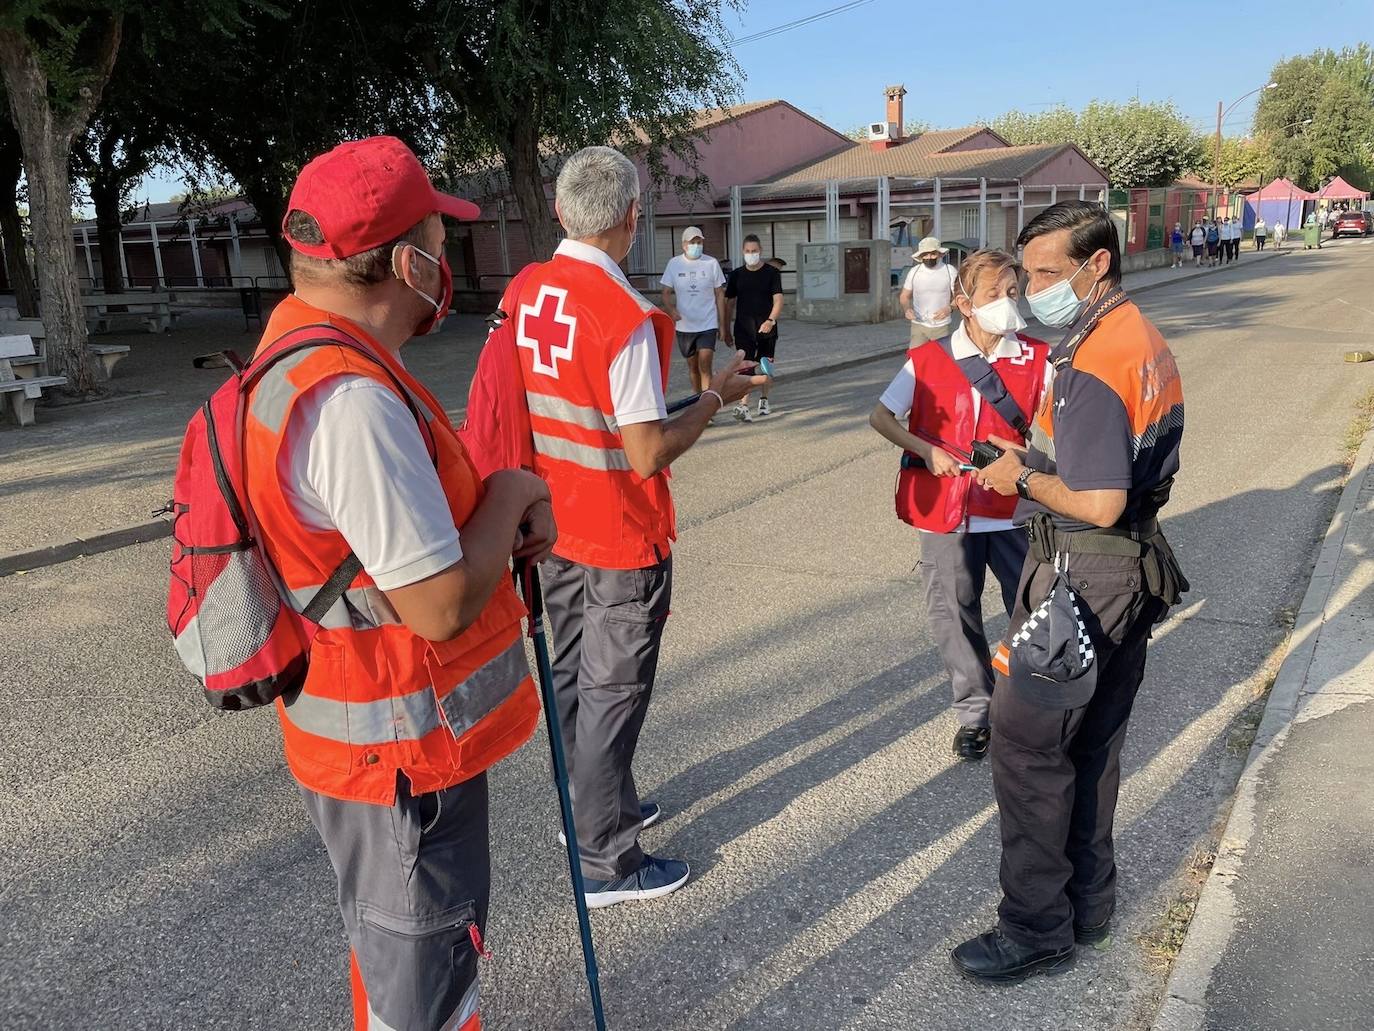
x=1216 y=163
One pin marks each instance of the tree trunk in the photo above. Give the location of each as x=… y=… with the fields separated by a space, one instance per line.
x=47 y=143
x=12 y=231
x=108 y=224
x=521 y=152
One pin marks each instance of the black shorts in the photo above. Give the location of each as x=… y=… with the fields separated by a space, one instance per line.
x=756 y=345
x=690 y=343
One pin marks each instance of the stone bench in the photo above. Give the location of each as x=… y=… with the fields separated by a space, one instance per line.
x=149 y=309
x=22 y=394
x=109 y=356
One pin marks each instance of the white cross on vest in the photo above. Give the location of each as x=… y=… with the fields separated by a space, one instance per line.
x=546 y=330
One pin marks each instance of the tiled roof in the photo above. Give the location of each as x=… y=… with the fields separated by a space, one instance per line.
x=858 y=166
x=171 y=211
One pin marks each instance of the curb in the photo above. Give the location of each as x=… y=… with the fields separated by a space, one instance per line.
x=25 y=561
x=1214 y=920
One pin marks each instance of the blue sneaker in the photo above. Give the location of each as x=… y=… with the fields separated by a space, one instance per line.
x=655 y=878
x=649 y=814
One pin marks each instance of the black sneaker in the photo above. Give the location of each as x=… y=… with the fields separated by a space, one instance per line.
x=971 y=743
x=995 y=959
x=1098 y=935
x=655 y=878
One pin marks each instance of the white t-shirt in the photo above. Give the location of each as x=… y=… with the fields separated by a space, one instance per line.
x=898 y=396
x=932 y=289
x=694 y=285
x=636 y=375
x=1260 y=229
x=355 y=462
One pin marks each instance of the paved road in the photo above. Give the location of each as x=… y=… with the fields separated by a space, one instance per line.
x=158 y=871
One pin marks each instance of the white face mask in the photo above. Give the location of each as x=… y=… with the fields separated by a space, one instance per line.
x=694 y=250
x=754 y=259
x=1001 y=316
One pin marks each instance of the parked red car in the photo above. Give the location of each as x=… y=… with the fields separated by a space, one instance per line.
x=1352 y=223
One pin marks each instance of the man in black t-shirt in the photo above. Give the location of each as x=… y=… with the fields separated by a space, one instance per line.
x=753 y=302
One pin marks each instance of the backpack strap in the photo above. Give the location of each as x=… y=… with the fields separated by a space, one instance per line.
x=302 y=339
x=984 y=379
x=333 y=588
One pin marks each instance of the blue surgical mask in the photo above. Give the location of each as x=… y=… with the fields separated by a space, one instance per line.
x=694 y=250
x=1058 y=305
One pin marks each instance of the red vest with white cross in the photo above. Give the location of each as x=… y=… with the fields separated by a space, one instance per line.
x=942 y=409
x=572 y=320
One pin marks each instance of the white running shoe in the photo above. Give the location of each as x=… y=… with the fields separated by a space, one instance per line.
x=764 y=408
x=742 y=413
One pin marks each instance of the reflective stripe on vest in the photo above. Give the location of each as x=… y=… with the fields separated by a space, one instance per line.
x=412 y=716
x=588 y=456
x=550 y=407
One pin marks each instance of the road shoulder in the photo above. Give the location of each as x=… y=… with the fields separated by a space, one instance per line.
x=1325 y=681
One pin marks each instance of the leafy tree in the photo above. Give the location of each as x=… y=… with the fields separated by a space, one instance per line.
x=525 y=82
x=1136 y=144
x=1242 y=161
x=123 y=143
x=293 y=79
x=55 y=59
x=1334 y=91
x=11 y=221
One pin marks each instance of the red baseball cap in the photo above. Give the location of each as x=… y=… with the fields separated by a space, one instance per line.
x=365 y=194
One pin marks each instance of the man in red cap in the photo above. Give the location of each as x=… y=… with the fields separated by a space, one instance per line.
x=417 y=680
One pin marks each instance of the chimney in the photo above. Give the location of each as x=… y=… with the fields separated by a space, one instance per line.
x=894 y=96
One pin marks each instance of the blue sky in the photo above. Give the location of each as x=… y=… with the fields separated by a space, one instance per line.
x=960 y=67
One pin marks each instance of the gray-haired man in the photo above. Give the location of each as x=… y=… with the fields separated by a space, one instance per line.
x=594 y=356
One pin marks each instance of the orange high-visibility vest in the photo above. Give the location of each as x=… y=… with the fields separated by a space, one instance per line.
x=379 y=698
x=571 y=321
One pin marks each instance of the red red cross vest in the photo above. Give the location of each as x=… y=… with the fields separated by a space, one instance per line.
x=942 y=409
x=572 y=320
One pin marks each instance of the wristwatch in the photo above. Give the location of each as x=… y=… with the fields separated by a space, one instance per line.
x=1023 y=483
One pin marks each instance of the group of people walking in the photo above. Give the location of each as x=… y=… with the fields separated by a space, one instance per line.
x=1216 y=242
x=420 y=684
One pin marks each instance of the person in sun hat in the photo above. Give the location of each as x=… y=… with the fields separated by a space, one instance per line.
x=928 y=292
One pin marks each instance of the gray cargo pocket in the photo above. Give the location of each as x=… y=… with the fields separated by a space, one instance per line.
x=417 y=968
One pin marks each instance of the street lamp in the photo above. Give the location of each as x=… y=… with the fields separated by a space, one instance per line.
x=1216 y=153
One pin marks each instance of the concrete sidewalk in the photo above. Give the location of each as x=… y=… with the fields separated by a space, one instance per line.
x=87 y=478
x=1281 y=939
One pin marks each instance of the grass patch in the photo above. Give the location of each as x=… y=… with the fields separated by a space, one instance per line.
x=1164 y=940
x=1359 y=426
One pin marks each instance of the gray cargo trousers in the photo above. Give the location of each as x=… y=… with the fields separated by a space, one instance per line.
x=954 y=567
x=414 y=879
x=607 y=625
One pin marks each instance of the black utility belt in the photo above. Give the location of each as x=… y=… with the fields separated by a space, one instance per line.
x=1143 y=540
x=1129 y=540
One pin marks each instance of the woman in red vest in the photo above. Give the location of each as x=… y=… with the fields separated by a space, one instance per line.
x=985 y=379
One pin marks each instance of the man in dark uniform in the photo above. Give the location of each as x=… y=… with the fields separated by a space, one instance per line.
x=1102 y=456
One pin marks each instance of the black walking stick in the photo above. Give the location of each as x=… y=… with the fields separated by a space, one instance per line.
x=528 y=579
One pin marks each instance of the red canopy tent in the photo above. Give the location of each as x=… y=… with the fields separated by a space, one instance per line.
x=1339 y=189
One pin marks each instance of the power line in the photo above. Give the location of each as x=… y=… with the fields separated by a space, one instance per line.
x=798 y=23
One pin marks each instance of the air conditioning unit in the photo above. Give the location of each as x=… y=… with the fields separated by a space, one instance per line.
x=883 y=131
